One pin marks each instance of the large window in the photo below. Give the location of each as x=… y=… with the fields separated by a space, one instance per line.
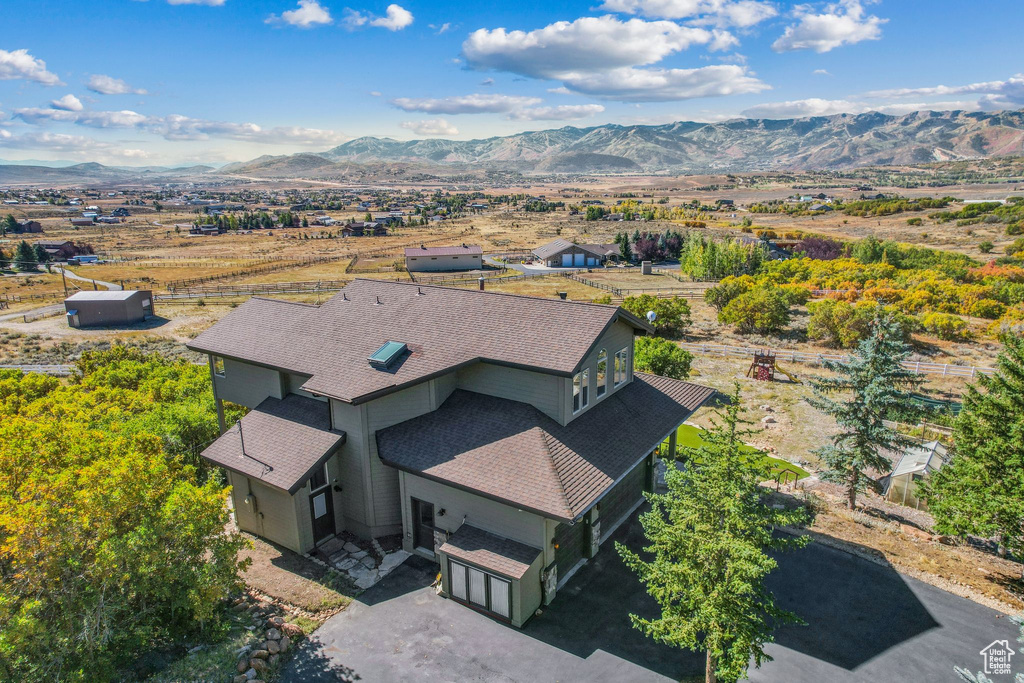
x=218 y=366
x=577 y=382
x=621 y=366
x=586 y=388
x=602 y=372
x=480 y=588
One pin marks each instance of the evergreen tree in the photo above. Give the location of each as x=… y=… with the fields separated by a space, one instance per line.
x=41 y=255
x=5 y=261
x=25 y=257
x=8 y=225
x=708 y=535
x=876 y=387
x=981 y=491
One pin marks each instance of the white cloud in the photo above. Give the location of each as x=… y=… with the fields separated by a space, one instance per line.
x=443 y=28
x=354 y=19
x=108 y=85
x=813 y=106
x=68 y=103
x=430 y=127
x=20 y=65
x=209 y=3
x=738 y=13
x=560 y=90
x=395 y=18
x=487 y=81
x=841 y=23
x=71 y=145
x=821 y=72
x=178 y=127
x=1008 y=94
x=466 y=104
x=308 y=14
x=375 y=93
x=662 y=85
x=565 y=112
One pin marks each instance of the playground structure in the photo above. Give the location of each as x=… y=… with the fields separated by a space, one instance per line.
x=764 y=367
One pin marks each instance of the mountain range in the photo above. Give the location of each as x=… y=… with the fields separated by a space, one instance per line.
x=739 y=145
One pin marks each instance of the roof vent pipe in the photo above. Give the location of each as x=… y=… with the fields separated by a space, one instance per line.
x=378 y=301
x=344 y=296
x=481 y=283
x=419 y=291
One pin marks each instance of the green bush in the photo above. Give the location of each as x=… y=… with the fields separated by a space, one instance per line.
x=914 y=221
x=673 y=315
x=945 y=326
x=844 y=325
x=988 y=308
x=986 y=247
x=764 y=310
x=660 y=356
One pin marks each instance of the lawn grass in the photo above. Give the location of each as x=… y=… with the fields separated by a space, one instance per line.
x=689 y=436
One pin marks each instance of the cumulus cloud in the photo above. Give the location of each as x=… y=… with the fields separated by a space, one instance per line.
x=443 y=28
x=70 y=145
x=1008 y=94
x=820 y=107
x=395 y=18
x=308 y=14
x=108 y=85
x=466 y=104
x=20 y=65
x=840 y=23
x=430 y=127
x=821 y=72
x=178 y=127
x=738 y=13
x=565 y=112
x=601 y=56
x=68 y=103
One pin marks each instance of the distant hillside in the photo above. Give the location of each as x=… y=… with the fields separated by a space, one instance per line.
x=821 y=142
x=95 y=174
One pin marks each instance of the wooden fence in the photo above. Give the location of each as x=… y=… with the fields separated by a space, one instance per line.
x=55 y=370
x=784 y=355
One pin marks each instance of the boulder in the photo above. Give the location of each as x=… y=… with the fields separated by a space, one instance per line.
x=273 y=634
x=275 y=621
x=243 y=664
x=291 y=630
x=250 y=673
x=767 y=420
x=272 y=647
x=392 y=560
x=915 y=532
x=259 y=665
x=284 y=643
x=260 y=654
x=240 y=678
x=274 y=659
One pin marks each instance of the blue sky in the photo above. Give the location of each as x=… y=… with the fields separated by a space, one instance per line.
x=181 y=81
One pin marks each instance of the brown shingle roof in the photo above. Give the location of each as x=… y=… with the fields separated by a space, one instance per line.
x=284 y=441
x=511 y=452
x=443 y=327
x=551 y=248
x=498 y=554
x=470 y=250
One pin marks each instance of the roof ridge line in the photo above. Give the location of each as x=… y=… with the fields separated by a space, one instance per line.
x=546 y=439
x=473 y=291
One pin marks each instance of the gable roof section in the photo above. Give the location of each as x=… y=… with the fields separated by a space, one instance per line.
x=513 y=453
x=284 y=440
x=552 y=248
x=444 y=328
x=498 y=554
x=467 y=250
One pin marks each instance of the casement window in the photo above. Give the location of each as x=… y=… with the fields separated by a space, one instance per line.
x=602 y=372
x=586 y=387
x=621 y=366
x=480 y=588
x=577 y=385
x=218 y=366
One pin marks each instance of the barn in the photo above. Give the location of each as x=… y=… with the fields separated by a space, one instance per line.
x=94 y=309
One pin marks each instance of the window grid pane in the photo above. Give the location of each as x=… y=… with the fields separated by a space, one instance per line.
x=586 y=388
x=602 y=373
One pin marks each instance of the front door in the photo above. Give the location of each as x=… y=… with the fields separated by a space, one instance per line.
x=321 y=505
x=422 y=525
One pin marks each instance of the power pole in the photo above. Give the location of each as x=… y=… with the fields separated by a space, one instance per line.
x=64 y=281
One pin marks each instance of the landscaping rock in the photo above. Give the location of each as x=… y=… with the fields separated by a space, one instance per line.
x=767 y=419
x=273 y=634
x=275 y=621
x=259 y=654
x=392 y=560
x=272 y=647
x=369 y=562
x=259 y=665
x=284 y=643
x=360 y=554
x=346 y=564
x=240 y=678
x=274 y=659
x=915 y=532
x=363 y=576
x=351 y=548
x=250 y=673
x=241 y=607
x=243 y=664
x=291 y=630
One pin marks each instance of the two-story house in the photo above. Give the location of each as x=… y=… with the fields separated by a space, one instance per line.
x=504 y=436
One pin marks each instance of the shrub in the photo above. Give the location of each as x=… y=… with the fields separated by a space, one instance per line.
x=914 y=221
x=987 y=308
x=673 y=315
x=660 y=356
x=1015 y=247
x=945 y=326
x=728 y=289
x=763 y=309
x=844 y=325
x=986 y=247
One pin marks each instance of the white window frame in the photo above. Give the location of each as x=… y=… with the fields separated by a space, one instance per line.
x=577 y=391
x=602 y=385
x=585 y=387
x=621 y=366
x=219 y=361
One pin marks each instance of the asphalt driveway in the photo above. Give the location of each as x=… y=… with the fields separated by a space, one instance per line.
x=865 y=623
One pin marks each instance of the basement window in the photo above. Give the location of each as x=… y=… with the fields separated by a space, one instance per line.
x=387 y=354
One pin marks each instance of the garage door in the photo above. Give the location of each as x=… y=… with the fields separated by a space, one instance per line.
x=591 y=261
x=480 y=588
x=579 y=259
x=620 y=500
x=566 y=260
x=571 y=546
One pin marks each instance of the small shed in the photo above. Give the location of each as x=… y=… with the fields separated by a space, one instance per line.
x=916 y=463
x=92 y=309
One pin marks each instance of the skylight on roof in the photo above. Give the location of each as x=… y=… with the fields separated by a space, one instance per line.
x=387 y=354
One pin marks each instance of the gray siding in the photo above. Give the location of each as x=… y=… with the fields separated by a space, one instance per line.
x=536 y=388
x=618 y=336
x=291 y=384
x=353 y=466
x=247 y=384
x=277 y=522
x=425 y=264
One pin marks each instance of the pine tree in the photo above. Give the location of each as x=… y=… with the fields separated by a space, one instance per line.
x=875 y=387
x=4 y=260
x=8 y=225
x=981 y=491
x=708 y=535
x=25 y=257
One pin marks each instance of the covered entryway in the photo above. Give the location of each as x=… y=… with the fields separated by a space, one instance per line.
x=422 y=525
x=321 y=505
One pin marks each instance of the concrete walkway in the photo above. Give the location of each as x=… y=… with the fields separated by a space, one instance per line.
x=865 y=623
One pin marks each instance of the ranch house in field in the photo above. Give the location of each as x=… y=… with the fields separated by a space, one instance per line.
x=427 y=259
x=504 y=437
x=564 y=254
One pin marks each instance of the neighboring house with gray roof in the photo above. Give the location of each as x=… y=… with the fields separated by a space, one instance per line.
x=565 y=254
x=504 y=436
